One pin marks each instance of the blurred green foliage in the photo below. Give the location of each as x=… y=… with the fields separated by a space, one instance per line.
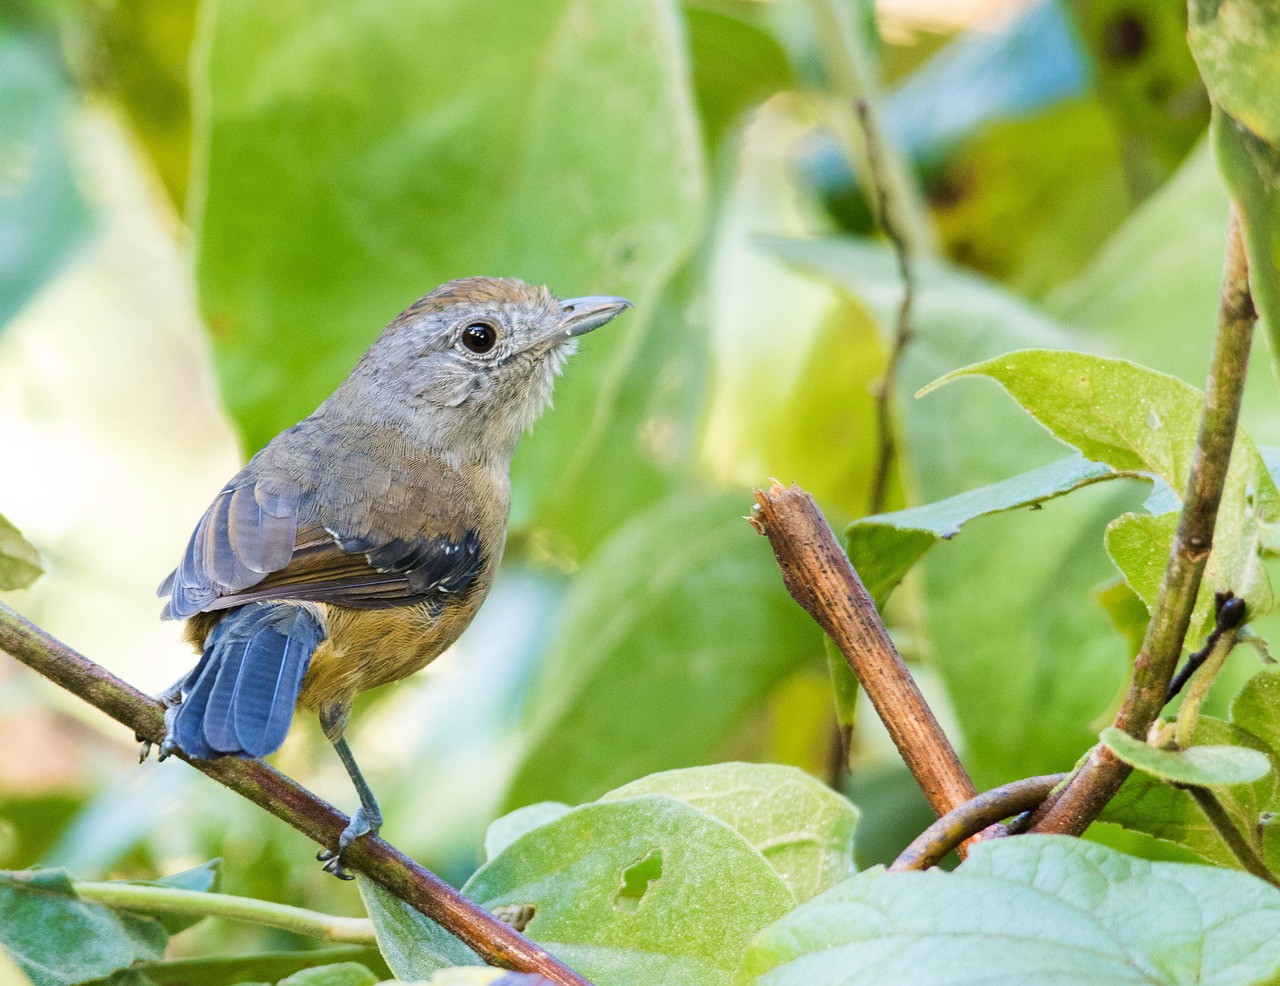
x=329 y=164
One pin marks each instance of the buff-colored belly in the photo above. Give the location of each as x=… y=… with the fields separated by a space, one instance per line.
x=367 y=648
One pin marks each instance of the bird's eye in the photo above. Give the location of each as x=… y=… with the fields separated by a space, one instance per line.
x=479 y=337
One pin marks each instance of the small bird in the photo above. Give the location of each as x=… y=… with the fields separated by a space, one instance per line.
x=358 y=544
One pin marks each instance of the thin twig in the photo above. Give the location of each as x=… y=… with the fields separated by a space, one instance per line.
x=1241 y=848
x=381 y=862
x=902 y=334
x=149 y=899
x=1229 y=612
x=818 y=575
x=1100 y=777
x=966 y=821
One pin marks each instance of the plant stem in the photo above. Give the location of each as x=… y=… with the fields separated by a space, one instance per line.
x=844 y=59
x=1201 y=682
x=971 y=818
x=1239 y=845
x=819 y=576
x=266 y=787
x=174 y=900
x=1102 y=773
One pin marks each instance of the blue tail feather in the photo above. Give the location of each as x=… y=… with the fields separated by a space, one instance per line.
x=239 y=700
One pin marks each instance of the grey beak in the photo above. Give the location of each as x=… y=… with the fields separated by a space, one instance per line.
x=581 y=315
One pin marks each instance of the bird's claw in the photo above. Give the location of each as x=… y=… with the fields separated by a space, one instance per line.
x=172 y=699
x=363 y=822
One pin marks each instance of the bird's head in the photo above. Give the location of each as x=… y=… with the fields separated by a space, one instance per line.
x=472 y=365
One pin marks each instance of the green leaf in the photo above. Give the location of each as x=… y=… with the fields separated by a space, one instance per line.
x=259 y=967
x=412 y=944
x=883 y=547
x=1200 y=766
x=204 y=878
x=340 y=175
x=505 y=830
x=337 y=974
x=1029 y=909
x=736 y=65
x=682 y=611
x=1147 y=805
x=58 y=939
x=19 y=560
x=1112 y=410
x=642 y=891
x=486 y=977
x=42 y=215
x=1236 y=43
x=1134 y=418
x=1251 y=169
x=802 y=827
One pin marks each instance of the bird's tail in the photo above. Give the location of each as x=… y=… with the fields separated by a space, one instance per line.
x=239 y=700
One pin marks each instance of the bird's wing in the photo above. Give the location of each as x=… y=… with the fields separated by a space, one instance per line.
x=253 y=545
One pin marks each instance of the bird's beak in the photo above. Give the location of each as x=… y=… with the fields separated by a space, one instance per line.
x=581 y=315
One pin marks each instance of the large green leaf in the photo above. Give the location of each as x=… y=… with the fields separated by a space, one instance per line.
x=1133 y=418
x=58 y=939
x=641 y=891
x=1236 y=43
x=19 y=560
x=42 y=215
x=260 y=967
x=203 y=878
x=675 y=628
x=802 y=827
x=343 y=170
x=883 y=547
x=335 y=974
x=1031 y=909
x=505 y=830
x=1005 y=607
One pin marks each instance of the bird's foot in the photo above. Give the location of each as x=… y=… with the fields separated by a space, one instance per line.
x=363 y=822
x=171 y=698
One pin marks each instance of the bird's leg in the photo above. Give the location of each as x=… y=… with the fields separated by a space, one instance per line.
x=368 y=817
x=170 y=698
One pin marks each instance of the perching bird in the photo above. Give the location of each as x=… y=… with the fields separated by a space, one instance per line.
x=358 y=544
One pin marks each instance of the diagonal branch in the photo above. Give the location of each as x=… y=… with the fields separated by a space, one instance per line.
x=1100 y=777
x=381 y=862
x=819 y=576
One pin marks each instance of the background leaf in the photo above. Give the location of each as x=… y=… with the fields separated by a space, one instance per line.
x=321 y=202
x=19 y=560
x=681 y=610
x=1236 y=43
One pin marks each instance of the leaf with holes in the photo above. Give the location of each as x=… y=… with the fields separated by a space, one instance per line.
x=1029 y=909
x=641 y=891
x=802 y=827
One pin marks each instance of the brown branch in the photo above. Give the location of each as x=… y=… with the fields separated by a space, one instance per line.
x=902 y=334
x=971 y=818
x=488 y=937
x=1102 y=774
x=820 y=578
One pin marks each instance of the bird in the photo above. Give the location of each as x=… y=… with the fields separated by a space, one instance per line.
x=358 y=544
